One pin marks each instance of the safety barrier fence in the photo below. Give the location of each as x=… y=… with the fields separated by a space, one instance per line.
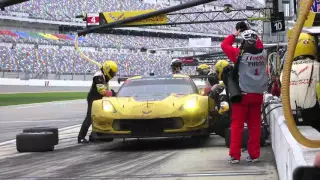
x=63 y=83
x=289 y=154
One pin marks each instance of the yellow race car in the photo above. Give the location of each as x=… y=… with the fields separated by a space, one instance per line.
x=153 y=106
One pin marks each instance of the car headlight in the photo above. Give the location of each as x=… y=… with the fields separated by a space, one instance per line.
x=190 y=104
x=107 y=106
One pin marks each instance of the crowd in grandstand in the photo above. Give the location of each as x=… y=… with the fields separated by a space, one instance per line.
x=67 y=11
x=32 y=60
x=92 y=40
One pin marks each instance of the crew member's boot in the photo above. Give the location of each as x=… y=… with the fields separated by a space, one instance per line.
x=82 y=140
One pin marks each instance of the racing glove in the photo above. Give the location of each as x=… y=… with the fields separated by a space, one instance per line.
x=224 y=107
x=107 y=93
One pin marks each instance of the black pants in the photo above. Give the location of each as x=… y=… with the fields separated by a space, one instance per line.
x=221 y=124
x=87 y=121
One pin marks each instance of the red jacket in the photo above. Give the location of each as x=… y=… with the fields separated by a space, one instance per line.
x=232 y=52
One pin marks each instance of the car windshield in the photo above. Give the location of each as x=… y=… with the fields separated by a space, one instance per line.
x=156 y=87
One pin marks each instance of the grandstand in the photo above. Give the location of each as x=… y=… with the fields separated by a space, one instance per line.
x=30 y=60
x=46 y=49
x=67 y=10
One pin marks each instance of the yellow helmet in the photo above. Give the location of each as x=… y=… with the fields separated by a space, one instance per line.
x=203 y=66
x=110 y=69
x=224 y=107
x=219 y=66
x=203 y=69
x=306 y=46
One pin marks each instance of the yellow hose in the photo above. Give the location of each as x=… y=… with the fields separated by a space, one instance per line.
x=82 y=55
x=304 y=11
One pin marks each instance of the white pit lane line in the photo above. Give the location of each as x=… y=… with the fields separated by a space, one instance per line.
x=36 y=121
x=61 y=129
x=23 y=106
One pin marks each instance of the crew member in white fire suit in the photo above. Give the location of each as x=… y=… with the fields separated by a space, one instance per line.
x=304 y=82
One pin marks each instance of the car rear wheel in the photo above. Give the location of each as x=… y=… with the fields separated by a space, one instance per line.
x=203 y=136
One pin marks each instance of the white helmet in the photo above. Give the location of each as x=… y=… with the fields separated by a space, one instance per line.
x=249 y=35
x=176 y=63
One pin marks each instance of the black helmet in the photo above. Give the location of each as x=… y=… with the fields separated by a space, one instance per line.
x=242 y=26
x=214 y=79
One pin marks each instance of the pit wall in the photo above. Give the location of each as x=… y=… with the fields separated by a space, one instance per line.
x=289 y=154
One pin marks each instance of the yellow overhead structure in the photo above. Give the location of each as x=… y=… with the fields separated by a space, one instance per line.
x=120 y=15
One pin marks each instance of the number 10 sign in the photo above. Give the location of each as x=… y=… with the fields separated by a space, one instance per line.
x=277 y=22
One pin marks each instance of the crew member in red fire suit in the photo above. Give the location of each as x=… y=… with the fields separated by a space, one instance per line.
x=253 y=81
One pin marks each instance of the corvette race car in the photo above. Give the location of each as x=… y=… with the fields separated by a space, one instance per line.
x=153 y=106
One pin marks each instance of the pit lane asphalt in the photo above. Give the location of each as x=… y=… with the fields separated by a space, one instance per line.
x=13 y=119
x=4 y=89
x=160 y=158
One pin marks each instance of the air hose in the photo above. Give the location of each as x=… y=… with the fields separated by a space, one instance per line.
x=82 y=55
x=304 y=11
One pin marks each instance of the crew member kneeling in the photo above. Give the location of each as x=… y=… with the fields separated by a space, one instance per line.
x=99 y=89
x=304 y=83
x=250 y=62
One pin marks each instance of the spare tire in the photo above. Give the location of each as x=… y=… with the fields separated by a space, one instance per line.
x=44 y=129
x=35 y=142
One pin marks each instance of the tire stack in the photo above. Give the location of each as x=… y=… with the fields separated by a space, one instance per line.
x=37 y=139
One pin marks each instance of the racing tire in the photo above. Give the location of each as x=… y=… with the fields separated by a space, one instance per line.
x=204 y=136
x=35 y=142
x=44 y=129
x=245 y=137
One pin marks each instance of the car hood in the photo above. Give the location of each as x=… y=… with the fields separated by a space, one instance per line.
x=152 y=106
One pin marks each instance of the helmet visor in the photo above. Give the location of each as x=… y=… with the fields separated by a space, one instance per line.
x=112 y=73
